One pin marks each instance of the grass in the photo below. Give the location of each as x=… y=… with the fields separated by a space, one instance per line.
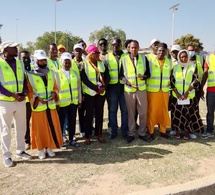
x=112 y=168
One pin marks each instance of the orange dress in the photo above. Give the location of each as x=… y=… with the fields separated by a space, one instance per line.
x=41 y=134
x=158 y=109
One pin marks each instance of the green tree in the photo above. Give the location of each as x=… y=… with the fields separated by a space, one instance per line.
x=30 y=46
x=185 y=40
x=67 y=39
x=108 y=33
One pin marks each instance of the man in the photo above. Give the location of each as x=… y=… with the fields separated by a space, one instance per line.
x=174 y=54
x=84 y=45
x=103 y=47
x=154 y=46
x=53 y=60
x=209 y=74
x=116 y=90
x=61 y=49
x=127 y=45
x=24 y=56
x=13 y=90
x=134 y=72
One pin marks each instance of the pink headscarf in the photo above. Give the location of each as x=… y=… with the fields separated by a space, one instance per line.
x=92 y=48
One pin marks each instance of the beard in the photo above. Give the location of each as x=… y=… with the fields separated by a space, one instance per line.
x=42 y=66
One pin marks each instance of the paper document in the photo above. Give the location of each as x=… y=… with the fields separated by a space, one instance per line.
x=184 y=102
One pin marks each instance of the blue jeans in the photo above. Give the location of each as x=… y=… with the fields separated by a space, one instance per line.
x=117 y=98
x=210 y=98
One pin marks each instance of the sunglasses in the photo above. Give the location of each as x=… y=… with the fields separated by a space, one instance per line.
x=103 y=43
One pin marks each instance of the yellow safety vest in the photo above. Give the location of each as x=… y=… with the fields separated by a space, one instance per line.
x=52 y=66
x=199 y=64
x=159 y=80
x=42 y=91
x=92 y=76
x=113 y=67
x=130 y=72
x=75 y=66
x=151 y=56
x=183 y=84
x=211 y=70
x=68 y=89
x=13 y=83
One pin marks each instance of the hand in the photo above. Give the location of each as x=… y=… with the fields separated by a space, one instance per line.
x=101 y=90
x=184 y=97
x=179 y=96
x=20 y=98
x=139 y=76
x=43 y=101
x=134 y=86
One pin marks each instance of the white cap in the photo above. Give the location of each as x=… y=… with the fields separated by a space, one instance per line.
x=154 y=40
x=8 y=44
x=40 y=55
x=65 y=56
x=76 y=46
x=176 y=47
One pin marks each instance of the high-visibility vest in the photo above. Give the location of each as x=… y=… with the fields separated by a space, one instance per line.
x=199 y=64
x=131 y=74
x=183 y=84
x=150 y=56
x=211 y=70
x=68 y=89
x=42 y=91
x=159 y=79
x=52 y=66
x=13 y=83
x=75 y=67
x=91 y=74
x=113 y=67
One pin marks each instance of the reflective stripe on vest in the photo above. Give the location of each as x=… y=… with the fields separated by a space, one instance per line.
x=75 y=67
x=91 y=74
x=181 y=84
x=211 y=70
x=113 y=67
x=11 y=82
x=199 y=63
x=65 y=96
x=41 y=91
x=52 y=65
x=130 y=73
x=155 y=82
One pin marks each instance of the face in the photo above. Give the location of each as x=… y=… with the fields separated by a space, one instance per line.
x=96 y=56
x=60 y=51
x=67 y=64
x=183 y=57
x=25 y=57
x=174 y=54
x=128 y=48
x=161 y=52
x=116 y=45
x=190 y=48
x=103 y=45
x=155 y=46
x=12 y=51
x=42 y=63
x=78 y=52
x=53 y=50
x=134 y=48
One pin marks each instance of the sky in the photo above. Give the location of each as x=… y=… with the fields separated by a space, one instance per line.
x=143 y=20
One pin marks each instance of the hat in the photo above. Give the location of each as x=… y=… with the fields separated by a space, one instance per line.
x=40 y=55
x=154 y=40
x=8 y=44
x=65 y=56
x=76 y=46
x=61 y=47
x=176 y=47
x=92 y=48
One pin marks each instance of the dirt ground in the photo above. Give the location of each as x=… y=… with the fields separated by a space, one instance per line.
x=111 y=168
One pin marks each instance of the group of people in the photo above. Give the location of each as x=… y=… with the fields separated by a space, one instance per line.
x=43 y=97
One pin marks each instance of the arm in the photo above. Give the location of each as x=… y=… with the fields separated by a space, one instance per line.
x=122 y=77
x=106 y=77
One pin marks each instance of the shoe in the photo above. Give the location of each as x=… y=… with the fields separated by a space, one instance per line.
x=207 y=135
x=8 y=162
x=146 y=138
x=192 y=136
x=130 y=139
x=27 y=146
x=152 y=137
x=50 y=152
x=63 y=147
x=87 y=142
x=82 y=135
x=73 y=143
x=24 y=155
x=65 y=139
x=172 y=133
x=165 y=135
x=112 y=136
x=109 y=130
x=41 y=154
x=100 y=139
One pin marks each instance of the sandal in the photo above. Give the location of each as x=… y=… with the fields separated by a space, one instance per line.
x=101 y=139
x=185 y=138
x=87 y=142
x=177 y=137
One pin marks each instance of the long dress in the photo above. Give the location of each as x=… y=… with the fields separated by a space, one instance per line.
x=45 y=126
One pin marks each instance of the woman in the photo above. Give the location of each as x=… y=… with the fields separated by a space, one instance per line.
x=42 y=92
x=158 y=92
x=95 y=79
x=184 y=79
x=69 y=95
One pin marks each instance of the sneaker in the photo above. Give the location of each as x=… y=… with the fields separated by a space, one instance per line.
x=130 y=139
x=192 y=136
x=63 y=147
x=207 y=135
x=73 y=143
x=65 y=139
x=27 y=146
x=41 y=154
x=50 y=152
x=172 y=133
x=8 y=162
x=24 y=156
x=82 y=135
x=146 y=138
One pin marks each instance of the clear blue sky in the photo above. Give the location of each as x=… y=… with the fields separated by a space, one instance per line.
x=142 y=20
